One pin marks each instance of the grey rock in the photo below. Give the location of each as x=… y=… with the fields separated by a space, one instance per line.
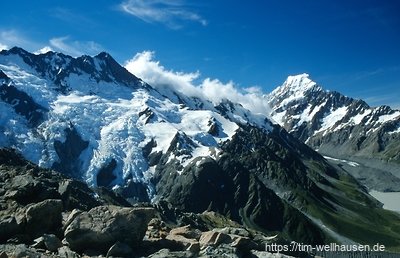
x=48 y=241
x=187 y=232
x=102 y=226
x=223 y=250
x=187 y=244
x=157 y=229
x=71 y=218
x=44 y=217
x=76 y=195
x=244 y=243
x=172 y=254
x=213 y=238
x=22 y=251
x=65 y=252
x=21 y=188
x=233 y=231
x=264 y=254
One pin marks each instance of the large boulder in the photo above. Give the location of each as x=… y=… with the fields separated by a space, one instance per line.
x=44 y=217
x=103 y=226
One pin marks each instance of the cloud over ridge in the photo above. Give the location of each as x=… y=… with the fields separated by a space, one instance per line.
x=151 y=71
x=74 y=48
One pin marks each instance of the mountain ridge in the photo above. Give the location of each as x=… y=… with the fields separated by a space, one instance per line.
x=159 y=144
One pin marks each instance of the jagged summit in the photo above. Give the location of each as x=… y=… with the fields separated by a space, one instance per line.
x=104 y=55
x=15 y=50
x=58 y=66
x=334 y=123
x=301 y=82
x=293 y=89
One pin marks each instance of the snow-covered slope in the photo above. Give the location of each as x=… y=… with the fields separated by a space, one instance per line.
x=90 y=118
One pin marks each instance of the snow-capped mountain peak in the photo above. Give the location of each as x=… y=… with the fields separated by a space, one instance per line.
x=293 y=89
x=325 y=119
x=300 y=82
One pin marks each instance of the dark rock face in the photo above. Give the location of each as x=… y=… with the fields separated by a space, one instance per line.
x=234 y=186
x=134 y=192
x=105 y=175
x=69 y=152
x=181 y=145
x=112 y=70
x=76 y=195
x=9 y=227
x=23 y=104
x=3 y=76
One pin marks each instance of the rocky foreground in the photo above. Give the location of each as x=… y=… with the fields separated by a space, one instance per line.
x=45 y=214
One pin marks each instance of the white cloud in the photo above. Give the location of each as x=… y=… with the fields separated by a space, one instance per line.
x=2 y=46
x=43 y=50
x=144 y=66
x=172 y=13
x=75 y=48
x=12 y=38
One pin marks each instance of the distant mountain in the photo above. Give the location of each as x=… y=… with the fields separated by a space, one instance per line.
x=91 y=119
x=340 y=127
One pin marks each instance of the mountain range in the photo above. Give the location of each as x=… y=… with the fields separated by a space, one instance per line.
x=90 y=119
x=342 y=128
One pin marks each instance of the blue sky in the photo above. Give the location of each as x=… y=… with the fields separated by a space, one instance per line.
x=349 y=46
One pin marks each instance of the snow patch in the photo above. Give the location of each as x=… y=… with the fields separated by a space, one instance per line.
x=359 y=117
x=351 y=163
x=332 y=118
x=386 y=118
